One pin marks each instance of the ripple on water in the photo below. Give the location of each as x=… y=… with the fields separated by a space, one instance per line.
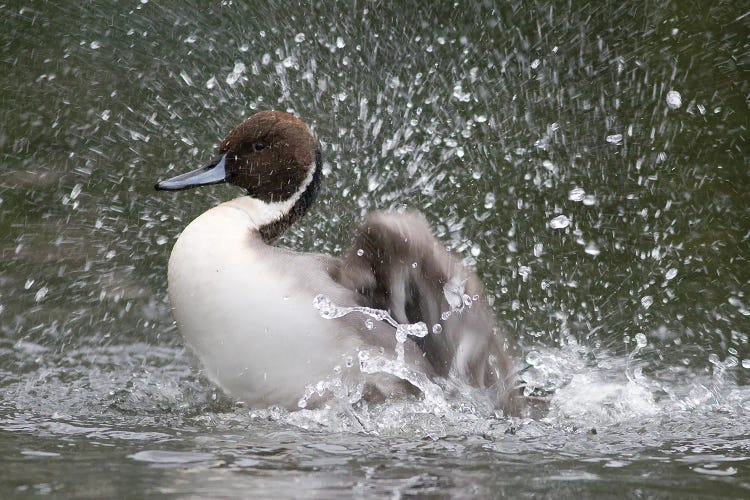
x=171 y=457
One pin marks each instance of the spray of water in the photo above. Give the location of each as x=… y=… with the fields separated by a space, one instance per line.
x=375 y=363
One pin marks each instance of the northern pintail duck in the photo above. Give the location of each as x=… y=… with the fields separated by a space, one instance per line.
x=245 y=307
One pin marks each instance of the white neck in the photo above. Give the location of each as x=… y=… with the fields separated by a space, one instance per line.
x=262 y=213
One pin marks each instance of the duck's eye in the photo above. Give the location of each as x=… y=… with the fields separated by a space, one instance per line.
x=259 y=146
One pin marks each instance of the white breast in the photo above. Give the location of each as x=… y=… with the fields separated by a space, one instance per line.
x=246 y=310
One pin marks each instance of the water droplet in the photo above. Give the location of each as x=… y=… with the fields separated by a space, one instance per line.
x=299 y=37
x=576 y=194
x=671 y=273
x=186 y=78
x=415 y=330
x=453 y=292
x=533 y=358
x=106 y=114
x=362 y=201
x=559 y=222
x=76 y=191
x=326 y=308
x=746 y=363
x=437 y=328
x=95 y=45
x=674 y=99
x=369 y=324
x=489 y=200
x=524 y=272
x=646 y=301
x=236 y=73
x=360 y=252
x=589 y=200
x=458 y=93
x=340 y=43
x=41 y=294
x=641 y=340
x=614 y=139
x=29 y=283
x=475 y=250
x=592 y=249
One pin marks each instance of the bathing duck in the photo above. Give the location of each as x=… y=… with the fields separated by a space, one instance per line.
x=246 y=307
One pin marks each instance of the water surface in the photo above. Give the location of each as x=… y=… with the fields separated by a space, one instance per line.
x=589 y=159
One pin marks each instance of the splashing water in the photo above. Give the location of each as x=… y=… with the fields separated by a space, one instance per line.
x=641 y=149
x=334 y=385
x=455 y=295
x=375 y=363
x=434 y=396
x=329 y=310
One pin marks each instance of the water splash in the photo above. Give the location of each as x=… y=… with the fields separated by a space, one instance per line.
x=559 y=222
x=433 y=394
x=674 y=99
x=335 y=385
x=329 y=310
x=369 y=363
x=455 y=295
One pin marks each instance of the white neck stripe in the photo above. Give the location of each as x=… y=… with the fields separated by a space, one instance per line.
x=262 y=213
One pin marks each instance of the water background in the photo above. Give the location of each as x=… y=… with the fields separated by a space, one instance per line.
x=590 y=159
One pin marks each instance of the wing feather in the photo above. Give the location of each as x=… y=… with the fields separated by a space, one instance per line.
x=397 y=264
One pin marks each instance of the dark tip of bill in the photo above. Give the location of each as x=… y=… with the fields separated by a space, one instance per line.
x=164 y=186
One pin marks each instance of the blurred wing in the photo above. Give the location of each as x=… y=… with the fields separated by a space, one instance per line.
x=397 y=264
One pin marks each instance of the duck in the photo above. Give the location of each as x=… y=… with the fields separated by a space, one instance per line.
x=251 y=310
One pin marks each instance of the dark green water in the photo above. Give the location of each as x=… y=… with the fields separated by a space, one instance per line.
x=628 y=119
